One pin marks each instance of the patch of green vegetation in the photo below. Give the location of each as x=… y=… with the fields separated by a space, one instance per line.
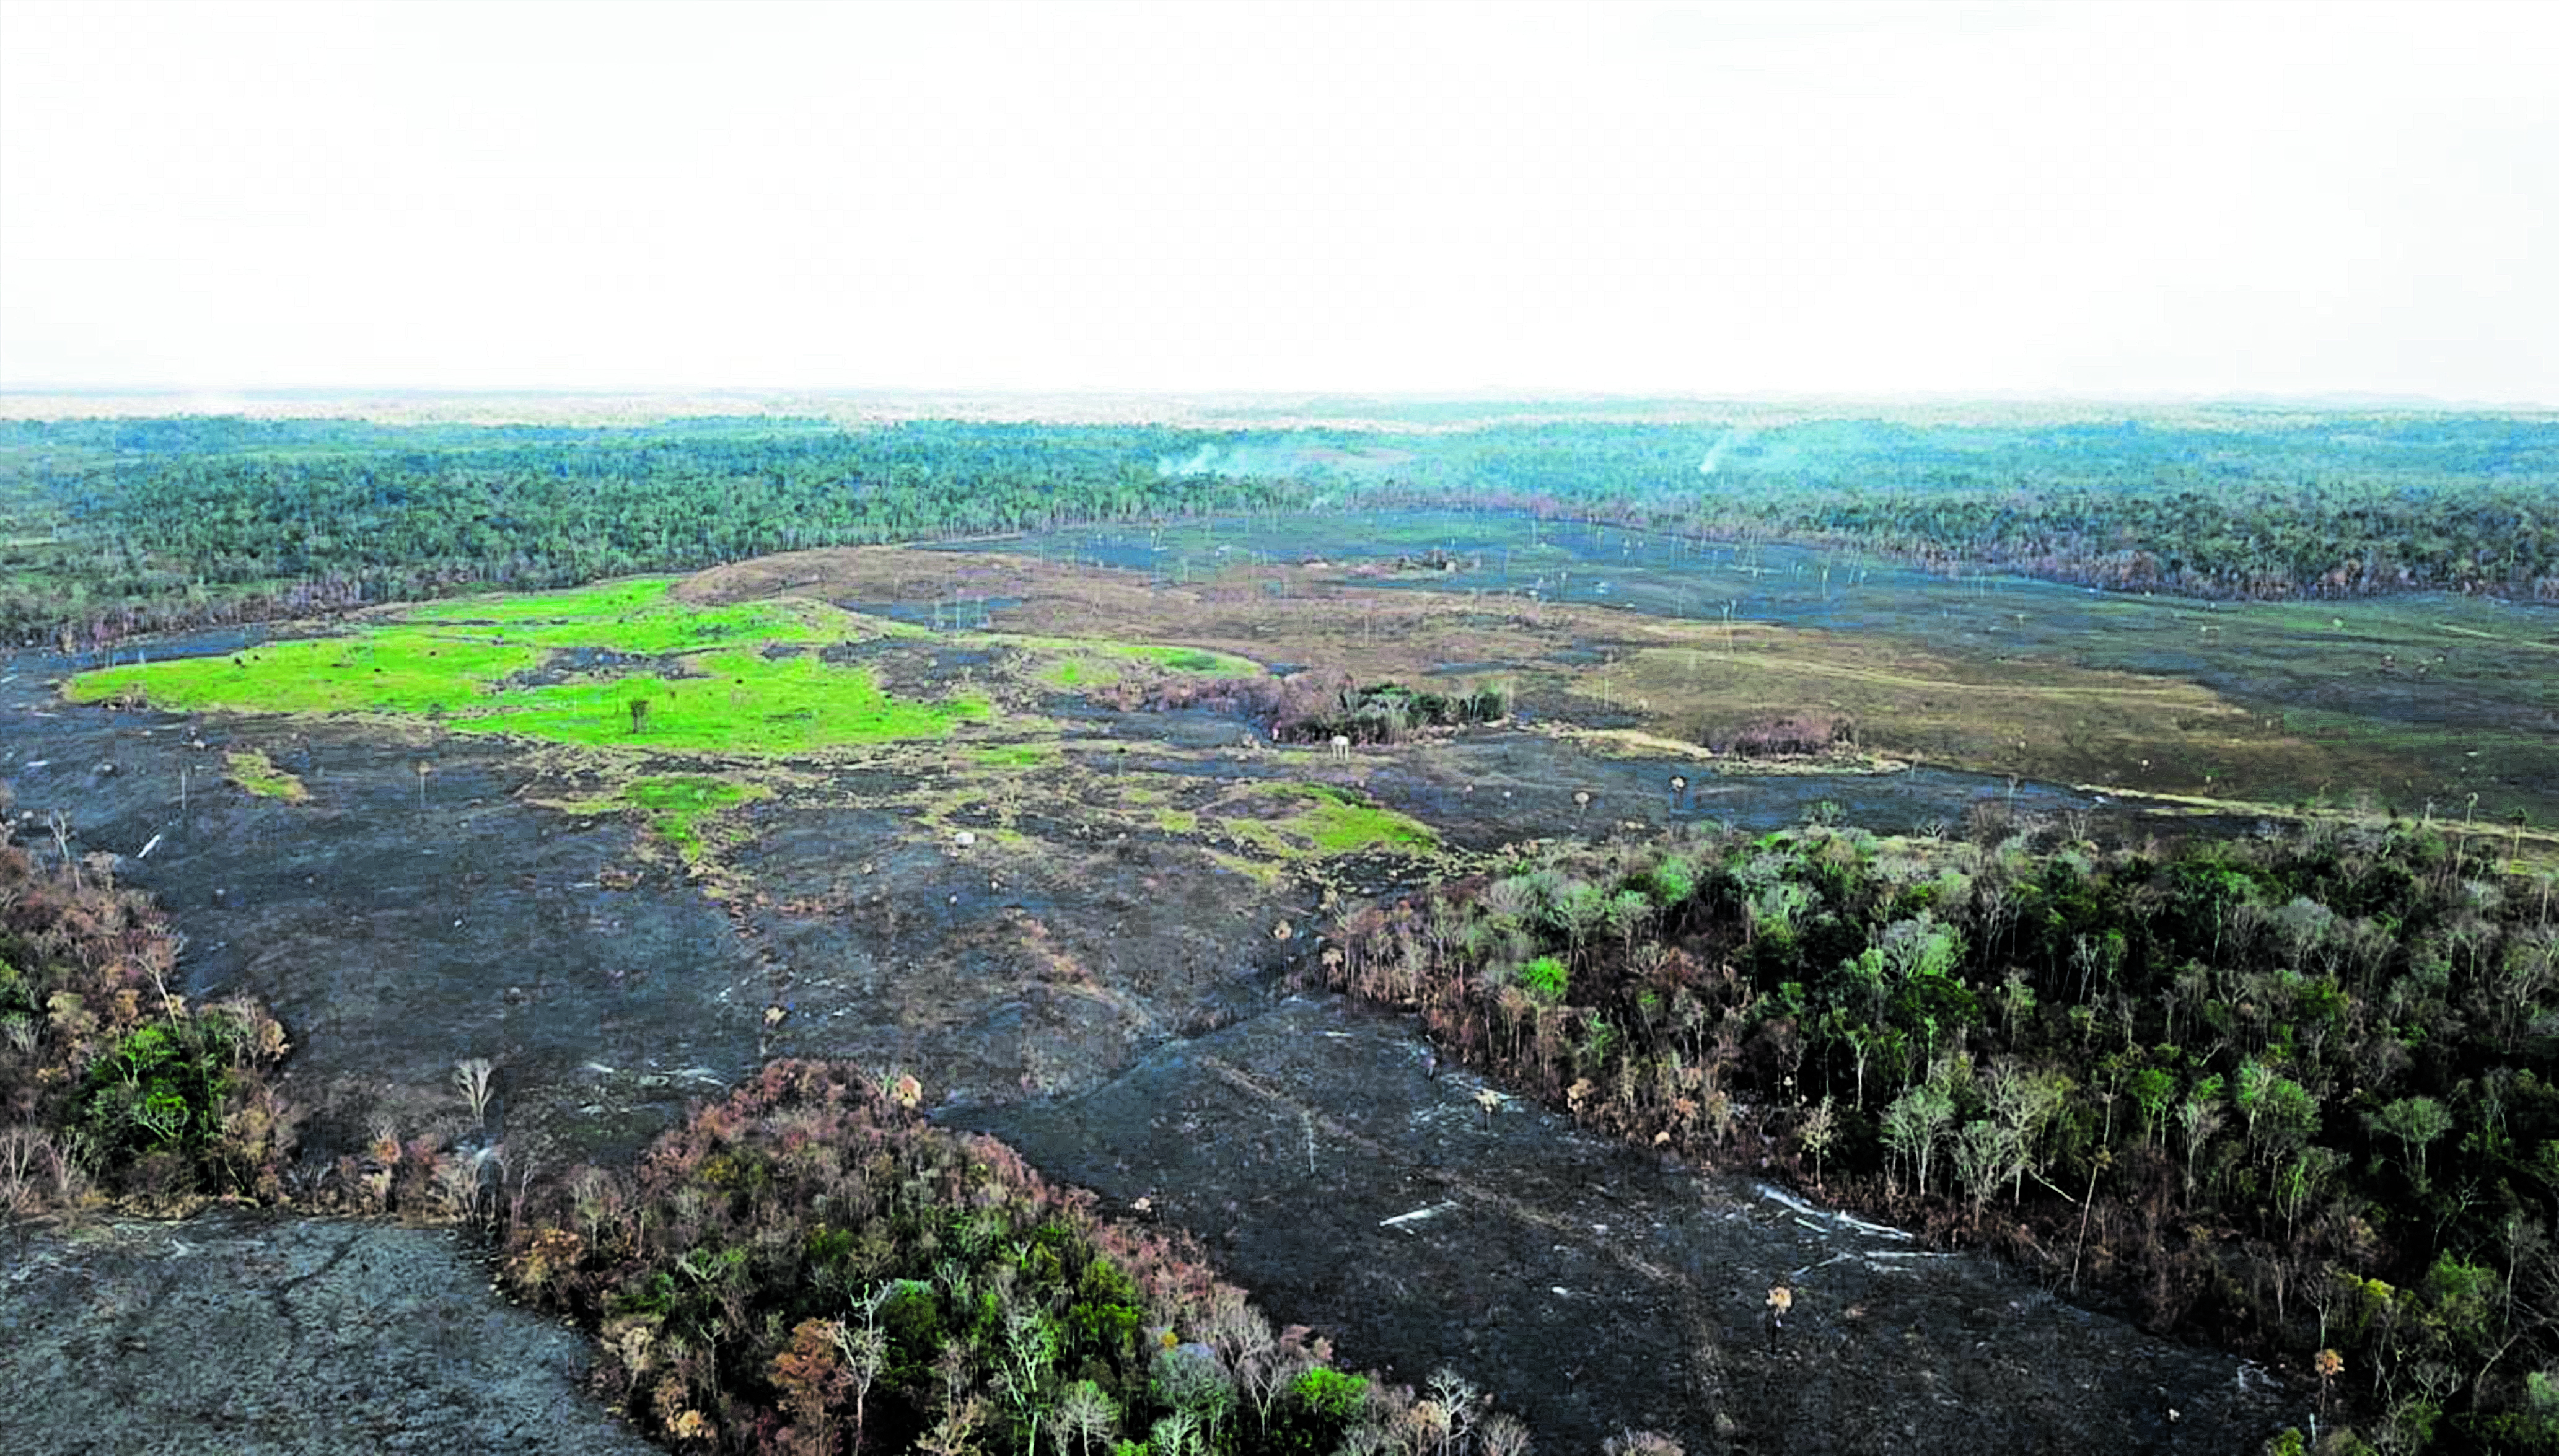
x=388 y=671
x=1178 y=821
x=603 y=599
x=1267 y=875
x=1546 y=978
x=741 y=702
x=735 y=1228
x=680 y=805
x=255 y=771
x=677 y=629
x=1072 y=672
x=1331 y=822
x=1079 y=663
x=746 y=702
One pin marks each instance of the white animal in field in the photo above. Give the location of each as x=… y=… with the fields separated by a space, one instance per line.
x=1341 y=749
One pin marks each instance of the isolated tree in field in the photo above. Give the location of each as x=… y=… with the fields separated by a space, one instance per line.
x=638 y=712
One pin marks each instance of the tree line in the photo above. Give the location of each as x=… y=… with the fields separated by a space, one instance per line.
x=115 y=527
x=2300 y=1094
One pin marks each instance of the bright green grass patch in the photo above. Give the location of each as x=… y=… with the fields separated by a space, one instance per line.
x=1331 y=822
x=677 y=629
x=679 y=804
x=636 y=618
x=1072 y=672
x=256 y=772
x=1178 y=821
x=746 y=702
x=395 y=671
x=742 y=701
x=1077 y=663
x=604 y=599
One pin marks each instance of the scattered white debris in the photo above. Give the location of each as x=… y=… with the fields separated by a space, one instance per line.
x=1797 y=1277
x=1880 y=1230
x=1777 y=1195
x=1417 y=1216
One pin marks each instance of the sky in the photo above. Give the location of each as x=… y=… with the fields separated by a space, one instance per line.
x=1725 y=199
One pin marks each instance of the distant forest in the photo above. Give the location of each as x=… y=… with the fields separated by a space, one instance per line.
x=113 y=526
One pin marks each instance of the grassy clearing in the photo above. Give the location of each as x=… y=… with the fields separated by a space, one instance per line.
x=256 y=772
x=1076 y=664
x=1319 y=819
x=604 y=599
x=397 y=672
x=679 y=807
x=744 y=702
x=705 y=682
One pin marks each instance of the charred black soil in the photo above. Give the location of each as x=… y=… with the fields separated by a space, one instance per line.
x=1079 y=932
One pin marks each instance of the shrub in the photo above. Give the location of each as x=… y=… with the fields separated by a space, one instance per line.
x=152 y=1098
x=1544 y=979
x=817 y=1266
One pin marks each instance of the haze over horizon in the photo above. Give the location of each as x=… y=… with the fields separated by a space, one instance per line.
x=2148 y=201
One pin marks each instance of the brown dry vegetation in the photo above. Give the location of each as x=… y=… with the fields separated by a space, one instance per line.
x=1690 y=683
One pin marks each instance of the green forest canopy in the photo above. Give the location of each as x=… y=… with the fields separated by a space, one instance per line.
x=112 y=526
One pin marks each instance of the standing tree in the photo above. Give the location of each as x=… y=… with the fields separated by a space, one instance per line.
x=471 y=1077
x=1915 y=1122
x=2415 y=1121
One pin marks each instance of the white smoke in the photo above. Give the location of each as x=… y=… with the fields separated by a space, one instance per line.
x=1716 y=452
x=1202 y=462
x=1235 y=462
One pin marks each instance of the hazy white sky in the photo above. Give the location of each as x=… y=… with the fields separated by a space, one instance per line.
x=1718 y=198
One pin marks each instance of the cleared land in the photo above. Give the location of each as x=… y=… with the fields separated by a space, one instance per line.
x=913 y=808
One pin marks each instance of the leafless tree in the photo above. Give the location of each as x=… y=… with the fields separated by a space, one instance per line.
x=472 y=1077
